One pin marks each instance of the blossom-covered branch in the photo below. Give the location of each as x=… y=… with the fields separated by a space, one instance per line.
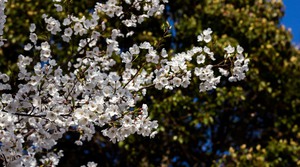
x=2 y=20
x=50 y=99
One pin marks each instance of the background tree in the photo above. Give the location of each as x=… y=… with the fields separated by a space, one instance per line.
x=255 y=122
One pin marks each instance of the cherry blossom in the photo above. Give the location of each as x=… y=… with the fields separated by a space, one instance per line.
x=50 y=99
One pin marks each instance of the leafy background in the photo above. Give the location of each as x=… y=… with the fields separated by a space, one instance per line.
x=250 y=123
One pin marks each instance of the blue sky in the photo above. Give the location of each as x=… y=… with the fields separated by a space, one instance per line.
x=292 y=18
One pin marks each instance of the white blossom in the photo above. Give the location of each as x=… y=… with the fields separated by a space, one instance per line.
x=51 y=99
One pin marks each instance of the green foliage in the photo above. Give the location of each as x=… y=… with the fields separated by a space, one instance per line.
x=277 y=153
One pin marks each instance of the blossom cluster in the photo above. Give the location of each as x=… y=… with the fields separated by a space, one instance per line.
x=51 y=99
x=2 y=20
